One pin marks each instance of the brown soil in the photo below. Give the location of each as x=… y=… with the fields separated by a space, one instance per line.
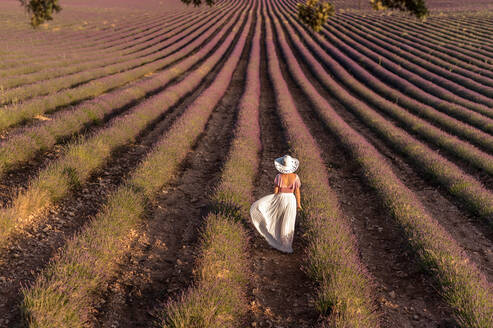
x=282 y=294
x=161 y=263
x=405 y=295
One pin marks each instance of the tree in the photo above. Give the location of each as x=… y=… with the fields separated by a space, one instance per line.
x=40 y=10
x=313 y=13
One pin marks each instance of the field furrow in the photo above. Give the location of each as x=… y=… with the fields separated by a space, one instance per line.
x=277 y=279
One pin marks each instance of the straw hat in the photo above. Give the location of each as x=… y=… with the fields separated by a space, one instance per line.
x=286 y=164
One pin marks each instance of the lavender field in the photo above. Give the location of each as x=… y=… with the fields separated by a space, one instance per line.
x=135 y=135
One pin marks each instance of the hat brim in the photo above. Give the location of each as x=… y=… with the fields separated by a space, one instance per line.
x=286 y=169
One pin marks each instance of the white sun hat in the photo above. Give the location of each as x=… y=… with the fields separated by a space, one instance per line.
x=286 y=164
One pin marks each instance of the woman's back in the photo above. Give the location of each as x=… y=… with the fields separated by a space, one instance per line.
x=287 y=182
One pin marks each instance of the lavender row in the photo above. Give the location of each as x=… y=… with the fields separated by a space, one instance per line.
x=416 y=74
x=453 y=48
x=12 y=115
x=439 y=50
x=410 y=122
x=80 y=48
x=344 y=294
x=106 y=37
x=424 y=58
x=470 y=37
x=418 y=126
x=82 y=158
x=414 y=86
x=464 y=287
x=441 y=33
x=68 y=291
x=150 y=50
x=459 y=83
x=437 y=57
x=218 y=298
x=123 y=49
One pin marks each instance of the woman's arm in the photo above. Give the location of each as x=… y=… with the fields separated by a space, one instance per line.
x=276 y=189
x=298 y=198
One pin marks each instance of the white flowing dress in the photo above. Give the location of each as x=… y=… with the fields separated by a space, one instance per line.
x=274 y=215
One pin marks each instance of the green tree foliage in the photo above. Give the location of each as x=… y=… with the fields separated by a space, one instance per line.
x=415 y=7
x=315 y=13
x=197 y=3
x=40 y=11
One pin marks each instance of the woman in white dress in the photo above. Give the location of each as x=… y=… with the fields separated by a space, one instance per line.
x=274 y=215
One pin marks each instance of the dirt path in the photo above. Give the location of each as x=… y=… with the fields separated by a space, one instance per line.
x=406 y=296
x=30 y=250
x=282 y=293
x=161 y=264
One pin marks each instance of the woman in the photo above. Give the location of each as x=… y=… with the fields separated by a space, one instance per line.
x=274 y=215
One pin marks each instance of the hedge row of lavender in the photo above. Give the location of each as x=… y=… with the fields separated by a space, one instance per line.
x=432 y=83
x=437 y=50
x=452 y=41
x=459 y=72
x=146 y=47
x=67 y=293
x=12 y=115
x=218 y=297
x=26 y=144
x=170 y=44
x=445 y=172
x=445 y=32
x=74 y=56
x=458 y=83
x=417 y=100
x=479 y=26
x=464 y=287
x=104 y=39
x=447 y=62
x=440 y=45
x=471 y=36
x=344 y=292
x=446 y=101
x=82 y=158
x=77 y=51
x=92 y=33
